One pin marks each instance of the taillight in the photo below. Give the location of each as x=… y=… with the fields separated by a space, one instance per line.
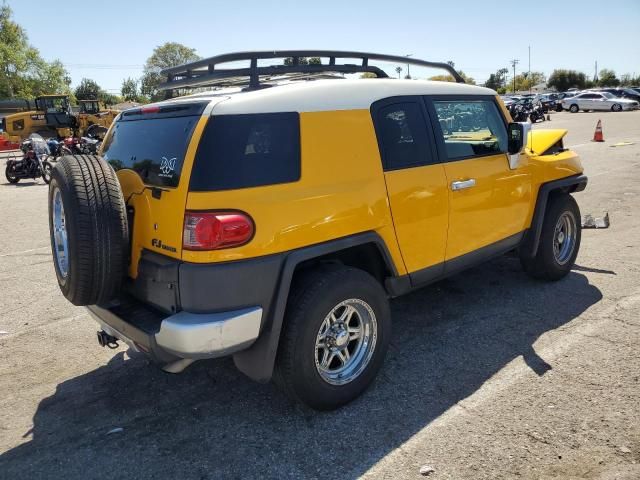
x=215 y=230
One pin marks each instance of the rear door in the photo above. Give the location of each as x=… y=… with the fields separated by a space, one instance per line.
x=416 y=184
x=587 y=101
x=152 y=149
x=488 y=202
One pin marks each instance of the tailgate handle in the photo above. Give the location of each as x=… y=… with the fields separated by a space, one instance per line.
x=462 y=184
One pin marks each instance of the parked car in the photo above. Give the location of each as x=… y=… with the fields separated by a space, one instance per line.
x=508 y=101
x=623 y=93
x=274 y=224
x=567 y=94
x=598 y=101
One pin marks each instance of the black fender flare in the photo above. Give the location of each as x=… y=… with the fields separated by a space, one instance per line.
x=572 y=184
x=257 y=362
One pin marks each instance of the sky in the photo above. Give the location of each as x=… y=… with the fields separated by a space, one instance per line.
x=110 y=41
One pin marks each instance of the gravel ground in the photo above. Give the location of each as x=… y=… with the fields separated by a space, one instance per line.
x=490 y=374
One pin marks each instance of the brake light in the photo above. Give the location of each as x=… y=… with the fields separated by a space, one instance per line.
x=216 y=230
x=150 y=109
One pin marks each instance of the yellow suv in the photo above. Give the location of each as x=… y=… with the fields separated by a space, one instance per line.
x=273 y=217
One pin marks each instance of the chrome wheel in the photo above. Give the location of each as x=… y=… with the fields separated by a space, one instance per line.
x=60 y=243
x=346 y=341
x=564 y=238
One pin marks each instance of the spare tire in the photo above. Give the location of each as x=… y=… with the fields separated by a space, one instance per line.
x=88 y=229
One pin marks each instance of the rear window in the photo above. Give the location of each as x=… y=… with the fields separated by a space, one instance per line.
x=154 y=147
x=241 y=151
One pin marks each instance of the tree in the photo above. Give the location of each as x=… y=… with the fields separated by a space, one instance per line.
x=398 y=71
x=88 y=90
x=498 y=80
x=303 y=61
x=129 y=89
x=562 y=80
x=23 y=72
x=607 y=78
x=526 y=81
x=170 y=54
x=449 y=78
x=627 y=80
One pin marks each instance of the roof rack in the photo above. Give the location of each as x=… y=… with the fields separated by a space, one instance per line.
x=203 y=73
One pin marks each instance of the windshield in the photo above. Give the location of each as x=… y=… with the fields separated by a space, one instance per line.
x=154 y=147
x=38 y=144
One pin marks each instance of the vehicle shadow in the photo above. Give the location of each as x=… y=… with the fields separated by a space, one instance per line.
x=212 y=422
x=23 y=183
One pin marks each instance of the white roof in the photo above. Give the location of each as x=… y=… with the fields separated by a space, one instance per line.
x=324 y=95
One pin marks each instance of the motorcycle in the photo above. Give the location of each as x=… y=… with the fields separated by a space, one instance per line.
x=34 y=163
x=525 y=110
x=537 y=112
x=519 y=112
x=81 y=146
x=57 y=149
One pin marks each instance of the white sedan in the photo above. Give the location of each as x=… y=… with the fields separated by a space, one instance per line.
x=598 y=101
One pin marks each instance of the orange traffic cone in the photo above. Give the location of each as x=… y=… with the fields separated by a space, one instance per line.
x=597 y=136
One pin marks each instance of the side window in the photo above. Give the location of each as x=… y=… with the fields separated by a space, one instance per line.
x=402 y=136
x=471 y=128
x=247 y=150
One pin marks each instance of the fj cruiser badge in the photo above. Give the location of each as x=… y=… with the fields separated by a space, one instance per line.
x=158 y=244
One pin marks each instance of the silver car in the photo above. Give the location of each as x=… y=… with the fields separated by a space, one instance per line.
x=598 y=101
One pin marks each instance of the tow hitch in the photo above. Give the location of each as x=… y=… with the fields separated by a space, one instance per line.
x=106 y=340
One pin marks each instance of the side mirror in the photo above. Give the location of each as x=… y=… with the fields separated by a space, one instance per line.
x=518 y=133
x=516 y=138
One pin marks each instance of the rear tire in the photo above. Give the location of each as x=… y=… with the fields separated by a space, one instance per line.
x=322 y=361
x=574 y=108
x=559 y=240
x=88 y=229
x=616 y=107
x=11 y=177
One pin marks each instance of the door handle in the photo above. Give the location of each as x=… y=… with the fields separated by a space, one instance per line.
x=462 y=184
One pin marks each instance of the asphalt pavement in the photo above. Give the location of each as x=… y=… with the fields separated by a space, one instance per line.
x=490 y=374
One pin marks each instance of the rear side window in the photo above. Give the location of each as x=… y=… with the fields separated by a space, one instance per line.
x=241 y=151
x=471 y=128
x=402 y=136
x=154 y=147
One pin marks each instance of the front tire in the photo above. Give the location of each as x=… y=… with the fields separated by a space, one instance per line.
x=46 y=172
x=616 y=107
x=559 y=240
x=336 y=334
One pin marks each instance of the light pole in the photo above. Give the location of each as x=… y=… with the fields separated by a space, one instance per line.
x=514 y=62
x=530 y=82
x=408 y=70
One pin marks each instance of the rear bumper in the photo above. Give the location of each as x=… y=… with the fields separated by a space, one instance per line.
x=183 y=335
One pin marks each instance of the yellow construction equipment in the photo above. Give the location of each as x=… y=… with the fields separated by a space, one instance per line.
x=54 y=117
